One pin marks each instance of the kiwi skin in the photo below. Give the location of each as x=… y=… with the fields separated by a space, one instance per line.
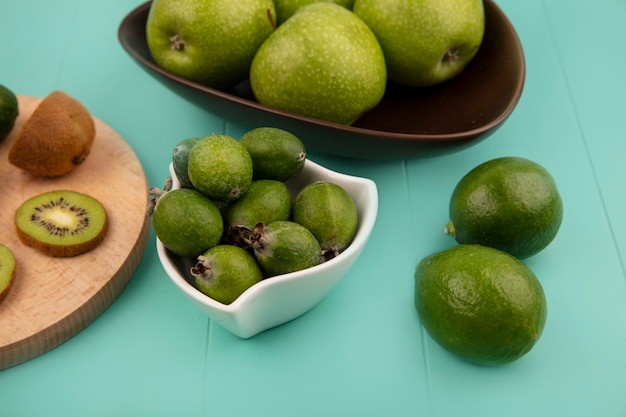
x=7 y=260
x=55 y=139
x=52 y=246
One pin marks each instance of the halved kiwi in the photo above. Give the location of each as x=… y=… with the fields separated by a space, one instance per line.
x=56 y=138
x=62 y=223
x=7 y=270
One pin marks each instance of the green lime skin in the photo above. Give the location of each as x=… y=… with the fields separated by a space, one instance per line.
x=479 y=303
x=285 y=246
x=266 y=201
x=508 y=203
x=328 y=211
x=9 y=111
x=180 y=159
x=224 y=272
x=276 y=154
x=187 y=222
x=220 y=167
x=7 y=270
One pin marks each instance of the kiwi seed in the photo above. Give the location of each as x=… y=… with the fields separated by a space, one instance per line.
x=62 y=223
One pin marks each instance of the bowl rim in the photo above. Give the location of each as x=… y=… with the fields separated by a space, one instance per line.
x=512 y=101
x=366 y=224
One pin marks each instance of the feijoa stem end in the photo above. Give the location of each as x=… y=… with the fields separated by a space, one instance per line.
x=449 y=229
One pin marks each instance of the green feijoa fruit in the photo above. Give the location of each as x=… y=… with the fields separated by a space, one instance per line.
x=285 y=246
x=180 y=159
x=187 y=222
x=328 y=211
x=220 y=167
x=265 y=201
x=224 y=272
x=8 y=111
x=276 y=154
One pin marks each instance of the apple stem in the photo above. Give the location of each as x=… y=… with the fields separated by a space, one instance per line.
x=271 y=19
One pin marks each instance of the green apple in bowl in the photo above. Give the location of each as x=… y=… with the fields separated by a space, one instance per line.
x=425 y=42
x=211 y=42
x=323 y=62
x=287 y=8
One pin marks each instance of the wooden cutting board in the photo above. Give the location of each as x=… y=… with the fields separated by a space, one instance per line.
x=52 y=299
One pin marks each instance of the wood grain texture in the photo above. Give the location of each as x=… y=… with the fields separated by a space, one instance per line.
x=52 y=299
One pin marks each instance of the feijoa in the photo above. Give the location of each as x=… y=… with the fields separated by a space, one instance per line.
x=220 y=167
x=187 y=222
x=265 y=201
x=180 y=159
x=329 y=212
x=285 y=246
x=224 y=272
x=276 y=153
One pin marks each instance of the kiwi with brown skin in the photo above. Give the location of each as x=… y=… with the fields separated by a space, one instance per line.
x=56 y=137
x=7 y=270
x=62 y=223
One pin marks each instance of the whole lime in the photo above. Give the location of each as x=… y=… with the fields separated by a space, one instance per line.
x=8 y=111
x=480 y=303
x=508 y=203
x=220 y=167
x=224 y=272
x=276 y=153
x=187 y=222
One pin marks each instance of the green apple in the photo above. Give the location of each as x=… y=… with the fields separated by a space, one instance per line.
x=323 y=62
x=211 y=42
x=425 y=42
x=286 y=8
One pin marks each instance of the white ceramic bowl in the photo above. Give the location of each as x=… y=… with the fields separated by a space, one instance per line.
x=282 y=298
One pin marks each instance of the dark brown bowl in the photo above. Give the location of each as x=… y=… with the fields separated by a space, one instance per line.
x=407 y=123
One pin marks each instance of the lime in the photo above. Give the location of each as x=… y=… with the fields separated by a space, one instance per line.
x=187 y=222
x=508 y=203
x=8 y=111
x=220 y=167
x=482 y=304
x=276 y=154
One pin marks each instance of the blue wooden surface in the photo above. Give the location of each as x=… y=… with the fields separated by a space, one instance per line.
x=361 y=352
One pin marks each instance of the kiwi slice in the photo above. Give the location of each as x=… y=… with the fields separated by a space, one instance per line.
x=62 y=223
x=7 y=270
